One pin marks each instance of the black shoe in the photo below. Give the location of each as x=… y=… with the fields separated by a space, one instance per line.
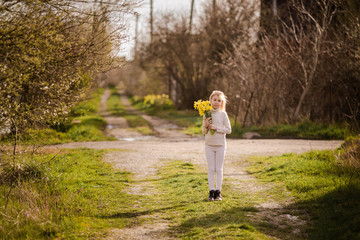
x=217 y=196
x=211 y=195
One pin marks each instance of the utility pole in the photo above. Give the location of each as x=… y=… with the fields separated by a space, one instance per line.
x=151 y=20
x=191 y=14
x=214 y=8
x=136 y=36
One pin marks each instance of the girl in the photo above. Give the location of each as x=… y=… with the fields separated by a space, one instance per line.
x=215 y=144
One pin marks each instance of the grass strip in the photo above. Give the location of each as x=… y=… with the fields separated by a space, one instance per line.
x=135 y=121
x=302 y=130
x=325 y=189
x=187 y=119
x=73 y=196
x=184 y=192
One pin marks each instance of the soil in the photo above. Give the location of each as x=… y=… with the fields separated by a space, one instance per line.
x=144 y=155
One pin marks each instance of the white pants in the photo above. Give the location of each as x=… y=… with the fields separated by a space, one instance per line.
x=215 y=156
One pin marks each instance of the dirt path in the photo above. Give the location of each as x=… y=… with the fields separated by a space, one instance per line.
x=144 y=156
x=163 y=129
x=116 y=127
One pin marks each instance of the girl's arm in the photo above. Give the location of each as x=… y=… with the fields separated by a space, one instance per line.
x=204 y=128
x=226 y=128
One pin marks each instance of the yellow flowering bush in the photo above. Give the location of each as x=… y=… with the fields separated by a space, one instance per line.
x=204 y=107
x=153 y=100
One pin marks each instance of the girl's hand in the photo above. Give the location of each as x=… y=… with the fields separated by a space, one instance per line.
x=212 y=127
x=207 y=122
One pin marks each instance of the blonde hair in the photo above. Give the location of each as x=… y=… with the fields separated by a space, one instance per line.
x=222 y=97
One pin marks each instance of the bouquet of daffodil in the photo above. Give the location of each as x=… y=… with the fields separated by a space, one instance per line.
x=204 y=107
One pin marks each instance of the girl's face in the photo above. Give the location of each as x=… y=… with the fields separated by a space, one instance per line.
x=215 y=101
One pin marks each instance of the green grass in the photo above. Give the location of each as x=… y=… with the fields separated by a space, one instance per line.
x=87 y=124
x=114 y=104
x=73 y=196
x=303 y=130
x=134 y=121
x=85 y=128
x=328 y=191
x=89 y=106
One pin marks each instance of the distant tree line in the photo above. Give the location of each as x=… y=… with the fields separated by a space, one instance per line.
x=49 y=53
x=302 y=63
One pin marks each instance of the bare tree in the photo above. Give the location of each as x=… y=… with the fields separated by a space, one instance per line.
x=304 y=40
x=266 y=75
x=292 y=72
x=191 y=59
x=256 y=89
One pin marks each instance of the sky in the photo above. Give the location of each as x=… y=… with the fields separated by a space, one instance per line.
x=159 y=7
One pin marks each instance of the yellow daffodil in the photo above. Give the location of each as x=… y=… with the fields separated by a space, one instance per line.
x=204 y=107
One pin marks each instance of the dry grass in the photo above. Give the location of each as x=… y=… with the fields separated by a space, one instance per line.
x=349 y=155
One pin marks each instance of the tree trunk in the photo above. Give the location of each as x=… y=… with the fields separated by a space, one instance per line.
x=247 y=109
x=309 y=80
x=301 y=101
x=15 y=128
x=237 y=111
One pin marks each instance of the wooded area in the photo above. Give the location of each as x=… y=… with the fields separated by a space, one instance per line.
x=302 y=63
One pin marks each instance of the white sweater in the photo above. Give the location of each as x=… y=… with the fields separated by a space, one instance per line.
x=221 y=121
